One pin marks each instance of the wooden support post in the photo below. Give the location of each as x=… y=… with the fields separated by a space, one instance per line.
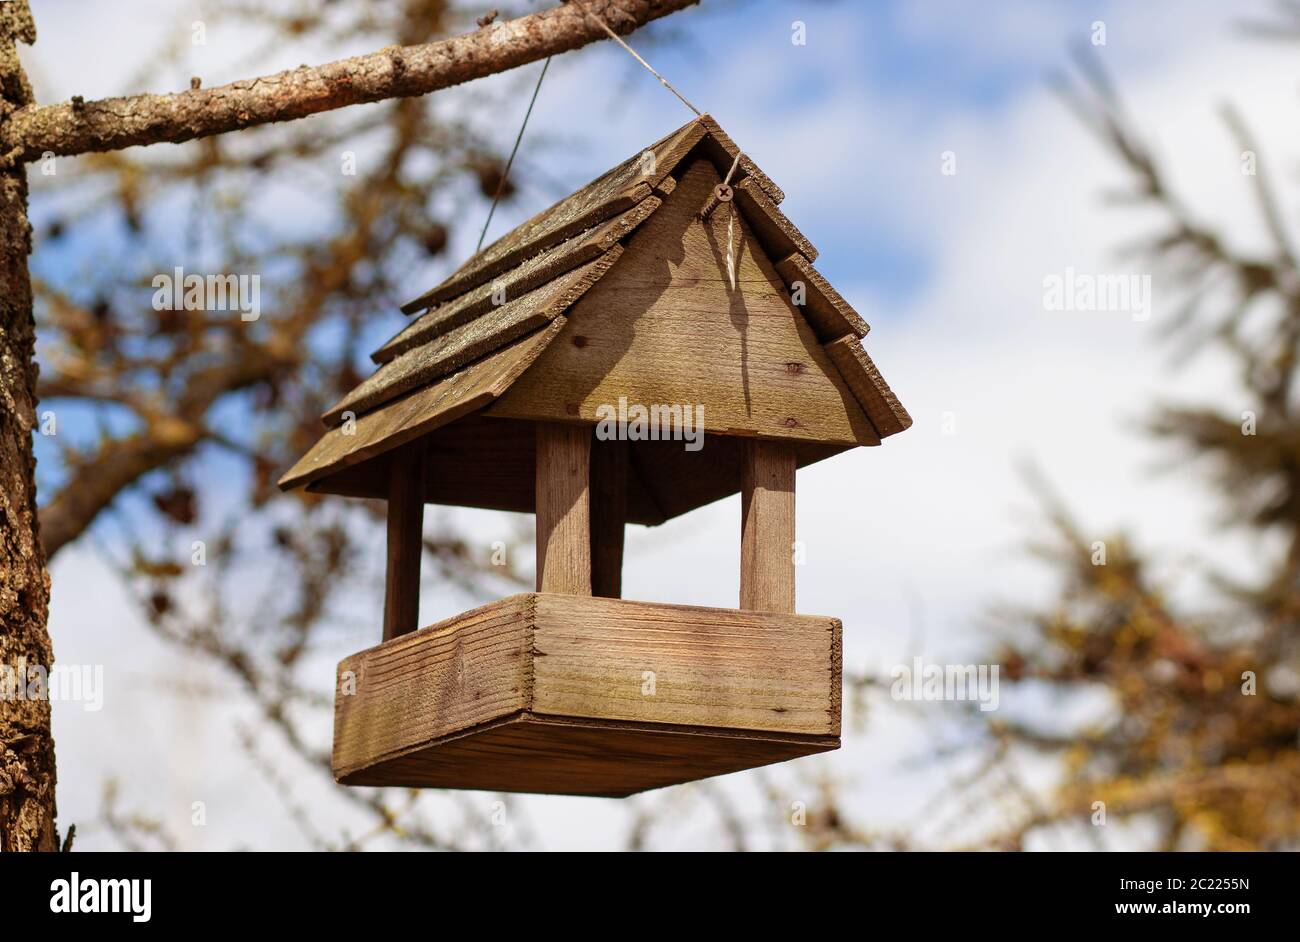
x=609 y=460
x=767 y=527
x=405 y=539
x=563 y=508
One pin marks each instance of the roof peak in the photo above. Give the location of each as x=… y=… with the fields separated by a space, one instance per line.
x=467 y=352
x=611 y=193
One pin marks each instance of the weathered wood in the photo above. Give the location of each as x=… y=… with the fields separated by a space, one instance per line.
x=611 y=193
x=829 y=314
x=480 y=461
x=869 y=387
x=767 y=527
x=421 y=411
x=662 y=329
x=595 y=758
x=665 y=328
x=488 y=332
x=405 y=539
x=681 y=481
x=725 y=153
x=776 y=233
x=487 y=462
x=563 y=508
x=537 y=235
x=531 y=272
x=432 y=683
x=665 y=188
x=707 y=666
x=609 y=490
x=571 y=695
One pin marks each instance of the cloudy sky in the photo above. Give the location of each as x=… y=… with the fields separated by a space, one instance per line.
x=911 y=543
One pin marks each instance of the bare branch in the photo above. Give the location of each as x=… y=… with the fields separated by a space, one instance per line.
x=81 y=127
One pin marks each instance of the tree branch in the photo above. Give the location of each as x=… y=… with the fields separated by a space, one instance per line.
x=118 y=463
x=395 y=72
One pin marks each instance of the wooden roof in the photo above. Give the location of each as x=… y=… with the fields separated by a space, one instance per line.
x=626 y=235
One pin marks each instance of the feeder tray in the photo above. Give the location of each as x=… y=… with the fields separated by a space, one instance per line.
x=587 y=696
x=645 y=290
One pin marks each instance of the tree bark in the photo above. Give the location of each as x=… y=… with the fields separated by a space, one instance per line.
x=395 y=72
x=27 y=769
x=27 y=777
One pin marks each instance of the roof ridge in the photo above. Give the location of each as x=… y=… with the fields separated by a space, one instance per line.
x=614 y=191
x=461 y=355
x=473 y=339
x=617 y=189
x=545 y=265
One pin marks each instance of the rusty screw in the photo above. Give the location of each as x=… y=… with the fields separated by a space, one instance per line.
x=722 y=193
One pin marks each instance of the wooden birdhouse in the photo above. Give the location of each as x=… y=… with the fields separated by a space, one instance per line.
x=562 y=371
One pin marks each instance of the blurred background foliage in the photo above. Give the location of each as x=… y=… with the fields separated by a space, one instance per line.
x=150 y=401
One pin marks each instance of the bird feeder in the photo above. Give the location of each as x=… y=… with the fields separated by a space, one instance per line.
x=531 y=380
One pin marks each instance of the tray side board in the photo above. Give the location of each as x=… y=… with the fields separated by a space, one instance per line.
x=562 y=694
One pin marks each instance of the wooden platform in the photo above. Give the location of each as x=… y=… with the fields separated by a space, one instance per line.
x=575 y=695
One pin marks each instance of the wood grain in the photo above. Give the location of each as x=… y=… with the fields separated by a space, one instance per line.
x=550 y=756
x=829 y=314
x=609 y=487
x=418 y=412
x=664 y=327
x=583 y=209
x=877 y=399
x=776 y=233
x=405 y=539
x=615 y=191
x=612 y=192
x=706 y=666
x=767 y=527
x=549 y=693
x=443 y=679
x=531 y=272
x=722 y=151
x=489 y=331
x=487 y=462
x=563 y=508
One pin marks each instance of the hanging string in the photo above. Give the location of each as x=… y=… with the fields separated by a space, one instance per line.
x=633 y=53
x=731 y=246
x=734 y=164
x=718 y=193
x=722 y=193
x=501 y=184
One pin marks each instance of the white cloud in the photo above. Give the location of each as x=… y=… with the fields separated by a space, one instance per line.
x=912 y=540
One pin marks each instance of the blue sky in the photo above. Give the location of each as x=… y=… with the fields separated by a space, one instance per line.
x=930 y=74
x=909 y=543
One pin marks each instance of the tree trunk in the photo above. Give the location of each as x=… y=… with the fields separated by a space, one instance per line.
x=26 y=746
